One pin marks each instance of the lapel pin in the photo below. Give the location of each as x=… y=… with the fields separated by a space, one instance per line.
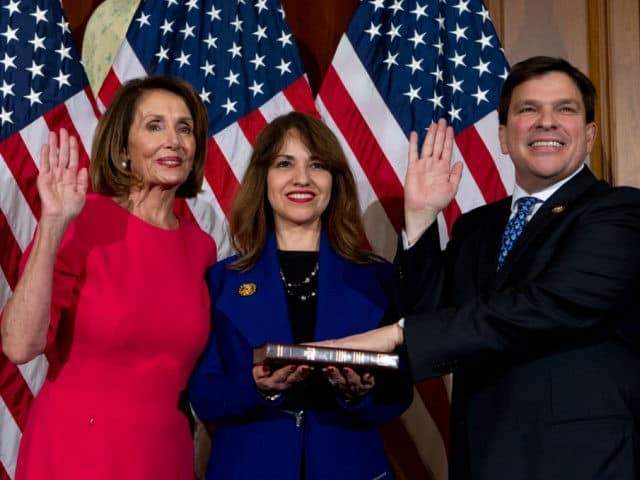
x=558 y=209
x=247 y=289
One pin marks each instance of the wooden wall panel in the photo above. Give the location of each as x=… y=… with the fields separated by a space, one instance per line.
x=546 y=27
x=623 y=27
x=495 y=8
x=599 y=74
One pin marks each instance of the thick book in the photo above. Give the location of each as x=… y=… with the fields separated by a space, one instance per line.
x=284 y=354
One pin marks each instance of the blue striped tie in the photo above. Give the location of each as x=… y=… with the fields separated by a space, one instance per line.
x=515 y=226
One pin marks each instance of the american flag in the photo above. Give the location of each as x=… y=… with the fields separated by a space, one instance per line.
x=401 y=65
x=42 y=87
x=241 y=58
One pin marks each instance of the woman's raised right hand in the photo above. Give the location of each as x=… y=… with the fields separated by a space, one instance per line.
x=62 y=187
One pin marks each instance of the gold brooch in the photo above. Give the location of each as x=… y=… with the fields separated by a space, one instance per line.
x=558 y=209
x=247 y=289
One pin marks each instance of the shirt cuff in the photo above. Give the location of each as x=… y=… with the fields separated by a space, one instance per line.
x=406 y=245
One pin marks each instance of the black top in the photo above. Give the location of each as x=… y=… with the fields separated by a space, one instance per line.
x=296 y=267
x=315 y=391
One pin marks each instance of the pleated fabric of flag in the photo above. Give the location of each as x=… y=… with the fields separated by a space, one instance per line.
x=43 y=87
x=241 y=57
x=401 y=65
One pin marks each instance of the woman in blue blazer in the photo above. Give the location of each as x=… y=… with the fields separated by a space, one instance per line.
x=301 y=275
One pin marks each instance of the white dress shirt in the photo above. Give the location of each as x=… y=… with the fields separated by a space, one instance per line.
x=544 y=195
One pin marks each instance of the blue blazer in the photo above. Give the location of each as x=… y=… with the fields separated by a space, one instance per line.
x=256 y=438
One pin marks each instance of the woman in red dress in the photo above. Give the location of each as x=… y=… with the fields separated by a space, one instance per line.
x=113 y=292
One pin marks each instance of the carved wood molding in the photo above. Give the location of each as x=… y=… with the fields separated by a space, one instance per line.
x=623 y=67
x=599 y=74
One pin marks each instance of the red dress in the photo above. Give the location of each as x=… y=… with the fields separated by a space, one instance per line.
x=130 y=316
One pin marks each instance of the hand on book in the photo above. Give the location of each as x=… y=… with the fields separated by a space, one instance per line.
x=383 y=339
x=348 y=382
x=281 y=379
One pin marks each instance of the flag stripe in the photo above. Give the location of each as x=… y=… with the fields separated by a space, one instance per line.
x=83 y=119
x=383 y=125
x=276 y=106
x=469 y=195
x=34 y=373
x=9 y=253
x=93 y=102
x=419 y=423
x=380 y=232
x=11 y=436
x=300 y=97
x=435 y=393
x=480 y=164
x=15 y=392
x=34 y=136
x=364 y=145
x=220 y=177
x=3 y=473
x=403 y=452
x=211 y=218
x=451 y=214
x=235 y=148
x=16 y=157
x=18 y=215
x=126 y=65
x=57 y=118
x=5 y=288
x=252 y=124
x=487 y=127
x=109 y=87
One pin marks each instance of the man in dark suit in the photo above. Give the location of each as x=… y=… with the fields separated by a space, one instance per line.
x=534 y=306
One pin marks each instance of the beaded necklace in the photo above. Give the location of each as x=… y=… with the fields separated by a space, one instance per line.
x=303 y=290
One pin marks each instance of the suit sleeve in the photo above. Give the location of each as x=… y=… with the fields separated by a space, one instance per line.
x=583 y=294
x=420 y=270
x=219 y=389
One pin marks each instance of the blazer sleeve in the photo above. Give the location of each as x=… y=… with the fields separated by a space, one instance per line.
x=225 y=390
x=393 y=391
x=387 y=400
x=585 y=292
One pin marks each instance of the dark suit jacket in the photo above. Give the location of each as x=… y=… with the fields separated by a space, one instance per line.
x=545 y=352
x=260 y=439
